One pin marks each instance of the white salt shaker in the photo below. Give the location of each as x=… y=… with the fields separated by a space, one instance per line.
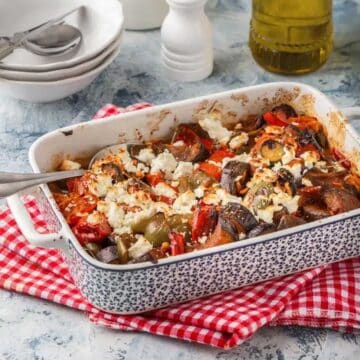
x=186 y=35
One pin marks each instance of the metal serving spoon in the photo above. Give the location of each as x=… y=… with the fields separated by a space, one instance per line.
x=11 y=183
x=56 y=40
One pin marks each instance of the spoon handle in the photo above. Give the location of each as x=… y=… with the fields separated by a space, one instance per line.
x=11 y=183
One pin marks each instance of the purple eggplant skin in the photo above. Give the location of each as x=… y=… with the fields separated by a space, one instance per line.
x=134 y=149
x=320 y=178
x=315 y=211
x=108 y=255
x=284 y=110
x=251 y=123
x=240 y=218
x=189 y=153
x=339 y=200
x=234 y=177
x=261 y=229
x=288 y=221
x=286 y=181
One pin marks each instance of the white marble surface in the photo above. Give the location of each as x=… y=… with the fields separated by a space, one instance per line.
x=35 y=329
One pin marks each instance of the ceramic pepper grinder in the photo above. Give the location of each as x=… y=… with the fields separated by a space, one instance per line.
x=186 y=34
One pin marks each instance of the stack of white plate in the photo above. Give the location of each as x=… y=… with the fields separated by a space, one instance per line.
x=35 y=78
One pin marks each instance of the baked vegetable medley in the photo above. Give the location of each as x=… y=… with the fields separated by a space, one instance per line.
x=208 y=185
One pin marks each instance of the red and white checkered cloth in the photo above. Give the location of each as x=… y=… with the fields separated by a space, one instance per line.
x=322 y=297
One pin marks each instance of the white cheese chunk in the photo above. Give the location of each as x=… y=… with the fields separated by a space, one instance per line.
x=140 y=248
x=183 y=169
x=284 y=199
x=100 y=184
x=146 y=156
x=215 y=129
x=164 y=162
x=163 y=189
x=310 y=158
x=239 y=140
x=289 y=154
x=185 y=202
x=267 y=214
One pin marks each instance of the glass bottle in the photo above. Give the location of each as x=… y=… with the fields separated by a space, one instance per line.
x=291 y=36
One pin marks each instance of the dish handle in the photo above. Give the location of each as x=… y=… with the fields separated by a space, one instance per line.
x=351 y=113
x=26 y=225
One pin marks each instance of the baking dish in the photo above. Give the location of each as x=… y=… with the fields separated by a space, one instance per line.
x=136 y=288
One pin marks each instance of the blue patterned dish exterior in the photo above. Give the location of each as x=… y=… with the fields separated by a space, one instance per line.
x=136 y=288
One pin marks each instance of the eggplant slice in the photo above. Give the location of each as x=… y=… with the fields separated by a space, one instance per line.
x=234 y=177
x=189 y=153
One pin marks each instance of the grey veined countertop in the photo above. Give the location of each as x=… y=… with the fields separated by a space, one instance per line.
x=35 y=329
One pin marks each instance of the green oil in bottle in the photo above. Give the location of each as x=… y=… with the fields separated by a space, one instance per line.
x=291 y=36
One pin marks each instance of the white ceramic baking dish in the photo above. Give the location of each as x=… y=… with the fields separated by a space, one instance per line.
x=141 y=287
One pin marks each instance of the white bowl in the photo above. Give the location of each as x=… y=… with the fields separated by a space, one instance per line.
x=47 y=91
x=62 y=74
x=100 y=22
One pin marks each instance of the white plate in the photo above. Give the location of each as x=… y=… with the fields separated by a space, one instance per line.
x=47 y=91
x=100 y=23
x=62 y=74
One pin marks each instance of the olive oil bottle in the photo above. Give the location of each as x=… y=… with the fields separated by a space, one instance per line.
x=291 y=36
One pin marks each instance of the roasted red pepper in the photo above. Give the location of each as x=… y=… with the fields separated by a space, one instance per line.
x=220 y=155
x=154 y=179
x=342 y=159
x=271 y=119
x=211 y=169
x=188 y=136
x=86 y=232
x=204 y=221
x=308 y=147
x=177 y=243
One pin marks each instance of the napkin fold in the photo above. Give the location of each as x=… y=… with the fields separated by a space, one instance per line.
x=327 y=296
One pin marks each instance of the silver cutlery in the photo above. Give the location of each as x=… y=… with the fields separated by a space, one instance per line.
x=9 y=44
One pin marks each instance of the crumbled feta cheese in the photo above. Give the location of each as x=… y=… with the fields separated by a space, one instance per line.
x=215 y=129
x=94 y=218
x=140 y=248
x=183 y=169
x=202 y=240
x=163 y=189
x=115 y=215
x=185 y=202
x=272 y=129
x=295 y=168
x=199 y=191
x=267 y=214
x=70 y=165
x=164 y=162
x=289 y=154
x=306 y=182
x=310 y=158
x=179 y=143
x=130 y=164
x=146 y=156
x=262 y=175
x=100 y=184
x=284 y=199
x=244 y=157
x=239 y=140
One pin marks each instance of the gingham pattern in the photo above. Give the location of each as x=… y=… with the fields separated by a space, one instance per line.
x=322 y=297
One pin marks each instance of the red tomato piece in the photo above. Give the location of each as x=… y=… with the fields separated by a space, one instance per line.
x=86 y=232
x=204 y=221
x=211 y=169
x=308 y=147
x=177 y=243
x=271 y=119
x=77 y=185
x=154 y=179
x=208 y=143
x=221 y=154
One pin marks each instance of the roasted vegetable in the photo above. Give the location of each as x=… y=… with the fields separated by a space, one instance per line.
x=315 y=211
x=251 y=123
x=339 y=200
x=204 y=221
x=284 y=112
x=239 y=217
x=92 y=248
x=114 y=171
x=261 y=229
x=140 y=225
x=234 y=177
x=180 y=224
x=87 y=232
x=286 y=181
x=271 y=119
x=221 y=235
x=272 y=150
x=177 y=243
x=192 y=134
x=211 y=169
x=288 y=221
x=320 y=178
x=134 y=149
x=199 y=178
x=157 y=230
x=190 y=153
